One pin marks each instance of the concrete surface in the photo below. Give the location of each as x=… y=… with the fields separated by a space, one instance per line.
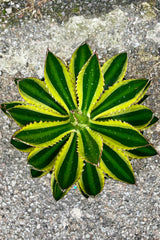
x=120 y=212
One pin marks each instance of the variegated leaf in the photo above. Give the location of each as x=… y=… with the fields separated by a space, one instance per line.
x=119 y=134
x=68 y=165
x=114 y=69
x=142 y=152
x=25 y=114
x=37 y=174
x=58 y=81
x=6 y=106
x=92 y=180
x=34 y=91
x=89 y=85
x=56 y=190
x=90 y=145
x=152 y=122
x=79 y=58
x=115 y=164
x=43 y=134
x=119 y=96
x=83 y=193
x=21 y=146
x=44 y=158
x=138 y=116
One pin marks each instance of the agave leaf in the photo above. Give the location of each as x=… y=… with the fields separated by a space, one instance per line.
x=116 y=165
x=138 y=116
x=25 y=114
x=68 y=165
x=153 y=121
x=21 y=146
x=37 y=174
x=90 y=145
x=58 y=81
x=56 y=190
x=114 y=69
x=79 y=58
x=89 y=85
x=142 y=152
x=34 y=91
x=5 y=106
x=118 y=97
x=43 y=134
x=143 y=98
x=143 y=93
x=44 y=158
x=92 y=180
x=83 y=193
x=119 y=134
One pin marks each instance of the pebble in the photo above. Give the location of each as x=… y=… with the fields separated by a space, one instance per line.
x=9 y=10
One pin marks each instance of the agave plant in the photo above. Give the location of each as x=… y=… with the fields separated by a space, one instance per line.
x=83 y=123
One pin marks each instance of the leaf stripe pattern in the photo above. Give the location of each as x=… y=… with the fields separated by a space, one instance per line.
x=21 y=146
x=43 y=134
x=122 y=135
x=37 y=174
x=126 y=92
x=114 y=69
x=142 y=152
x=6 y=106
x=90 y=145
x=59 y=82
x=79 y=58
x=116 y=165
x=153 y=121
x=92 y=180
x=133 y=115
x=69 y=165
x=24 y=115
x=89 y=85
x=44 y=158
x=35 y=92
x=56 y=191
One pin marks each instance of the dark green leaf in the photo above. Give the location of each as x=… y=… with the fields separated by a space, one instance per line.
x=92 y=180
x=21 y=146
x=137 y=116
x=143 y=99
x=35 y=92
x=24 y=115
x=152 y=122
x=114 y=69
x=69 y=165
x=58 y=81
x=43 y=159
x=56 y=191
x=37 y=174
x=142 y=152
x=89 y=84
x=116 y=165
x=5 y=106
x=126 y=93
x=43 y=134
x=90 y=145
x=119 y=133
x=79 y=58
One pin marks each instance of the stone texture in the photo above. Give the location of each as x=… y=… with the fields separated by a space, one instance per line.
x=121 y=211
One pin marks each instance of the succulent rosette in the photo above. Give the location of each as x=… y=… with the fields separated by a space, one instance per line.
x=83 y=123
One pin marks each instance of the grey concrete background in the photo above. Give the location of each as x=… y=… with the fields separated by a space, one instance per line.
x=120 y=212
